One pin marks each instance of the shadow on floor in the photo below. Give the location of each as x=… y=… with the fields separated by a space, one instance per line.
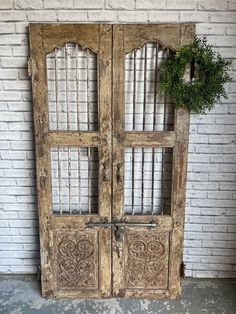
x=21 y=295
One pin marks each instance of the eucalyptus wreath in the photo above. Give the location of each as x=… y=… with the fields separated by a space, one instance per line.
x=206 y=74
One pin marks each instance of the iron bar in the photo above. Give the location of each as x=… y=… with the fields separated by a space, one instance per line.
x=144 y=122
x=57 y=117
x=121 y=224
x=88 y=119
x=68 y=124
x=154 y=128
x=78 y=125
x=134 y=118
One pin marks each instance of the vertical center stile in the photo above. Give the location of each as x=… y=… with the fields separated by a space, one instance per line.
x=166 y=55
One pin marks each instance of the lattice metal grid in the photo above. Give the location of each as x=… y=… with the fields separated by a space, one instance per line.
x=72 y=88
x=145 y=109
x=147 y=186
x=74 y=173
x=72 y=98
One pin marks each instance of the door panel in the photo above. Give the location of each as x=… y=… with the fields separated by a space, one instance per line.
x=76 y=262
x=71 y=78
x=149 y=153
x=111 y=158
x=146 y=260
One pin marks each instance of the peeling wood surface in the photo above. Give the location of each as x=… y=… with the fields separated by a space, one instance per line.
x=149 y=139
x=44 y=38
x=131 y=256
x=110 y=267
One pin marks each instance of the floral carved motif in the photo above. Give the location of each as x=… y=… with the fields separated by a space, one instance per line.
x=146 y=260
x=77 y=260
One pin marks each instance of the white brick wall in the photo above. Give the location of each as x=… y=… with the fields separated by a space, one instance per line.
x=210 y=232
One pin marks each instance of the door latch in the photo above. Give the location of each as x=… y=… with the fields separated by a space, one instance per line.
x=120 y=227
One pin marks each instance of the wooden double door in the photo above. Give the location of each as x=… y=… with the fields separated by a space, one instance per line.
x=111 y=158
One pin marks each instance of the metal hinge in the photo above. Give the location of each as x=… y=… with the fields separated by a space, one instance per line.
x=29 y=67
x=182 y=270
x=39 y=273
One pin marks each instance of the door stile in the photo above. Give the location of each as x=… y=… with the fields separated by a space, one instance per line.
x=118 y=120
x=179 y=179
x=117 y=154
x=104 y=88
x=39 y=90
x=105 y=158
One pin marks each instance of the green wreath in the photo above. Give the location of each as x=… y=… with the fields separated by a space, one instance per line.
x=207 y=73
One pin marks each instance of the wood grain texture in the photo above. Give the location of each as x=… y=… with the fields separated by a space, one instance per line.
x=43 y=39
x=168 y=35
x=57 y=35
x=149 y=139
x=117 y=154
x=179 y=178
x=40 y=108
x=76 y=261
x=146 y=259
x=126 y=38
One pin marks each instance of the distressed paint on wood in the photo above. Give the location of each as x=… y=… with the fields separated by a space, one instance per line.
x=43 y=39
x=39 y=88
x=111 y=140
x=125 y=39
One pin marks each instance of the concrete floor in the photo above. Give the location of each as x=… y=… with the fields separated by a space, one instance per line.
x=21 y=295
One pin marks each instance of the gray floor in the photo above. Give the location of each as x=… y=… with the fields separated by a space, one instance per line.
x=21 y=295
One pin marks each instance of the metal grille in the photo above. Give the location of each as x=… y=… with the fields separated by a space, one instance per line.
x=148 y=171
x=145 y=110
x=74 y=172
x=72 y=88
x=148 y=179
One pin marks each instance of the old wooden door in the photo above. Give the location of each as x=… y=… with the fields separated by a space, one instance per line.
x=111 y=160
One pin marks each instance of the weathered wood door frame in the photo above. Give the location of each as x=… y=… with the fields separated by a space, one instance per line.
x=111 y=140
x=125 y=39
x=43 y=39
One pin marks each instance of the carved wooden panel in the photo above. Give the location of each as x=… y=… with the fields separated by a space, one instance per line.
x=76 y=260
x=146 y=260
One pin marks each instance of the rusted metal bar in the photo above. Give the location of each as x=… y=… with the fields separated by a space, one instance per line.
x=88 y=120
x=144 y=122
x=154 y=127
x=57 y=117
x=134 y=118
x=78 y=125
x=121 y=224
x=68 y=124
